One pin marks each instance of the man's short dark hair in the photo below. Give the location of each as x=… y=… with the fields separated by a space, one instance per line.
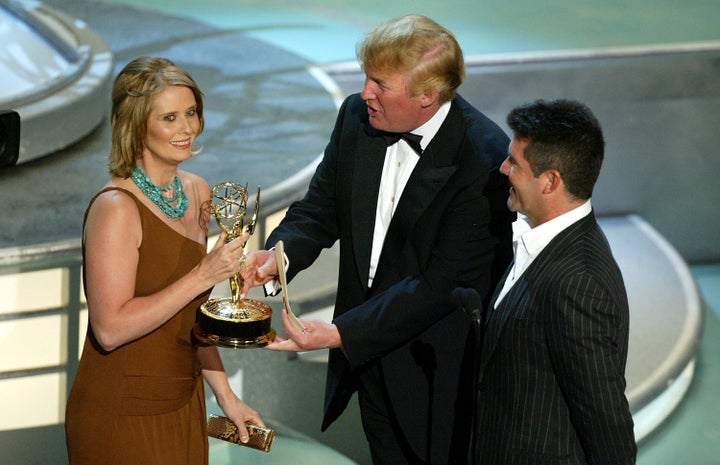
x=562 y=135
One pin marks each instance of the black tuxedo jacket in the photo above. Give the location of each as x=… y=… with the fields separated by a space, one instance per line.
x=451 y=228
x=552 y=373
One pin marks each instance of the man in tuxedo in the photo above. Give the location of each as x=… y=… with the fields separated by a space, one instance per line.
x=551 y=384
x=413 y=224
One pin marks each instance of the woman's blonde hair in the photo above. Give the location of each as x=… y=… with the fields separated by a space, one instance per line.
x=427 y=53
x=132 y=95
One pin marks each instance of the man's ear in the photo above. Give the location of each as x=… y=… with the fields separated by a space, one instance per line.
x=553 y=181
x=429 y=98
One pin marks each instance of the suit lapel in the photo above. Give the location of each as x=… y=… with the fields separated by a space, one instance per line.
x=496 y=318
x=513 y=300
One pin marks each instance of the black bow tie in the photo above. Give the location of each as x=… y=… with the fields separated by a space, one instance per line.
x=413 y=140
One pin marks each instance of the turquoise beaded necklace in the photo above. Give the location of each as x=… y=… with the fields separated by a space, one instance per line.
x=155 y=193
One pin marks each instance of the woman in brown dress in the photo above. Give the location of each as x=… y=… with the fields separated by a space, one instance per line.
x=138 y=395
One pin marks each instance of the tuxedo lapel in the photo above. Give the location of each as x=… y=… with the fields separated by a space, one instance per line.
x=421 y=189
x=432 y=172
x=368 y=165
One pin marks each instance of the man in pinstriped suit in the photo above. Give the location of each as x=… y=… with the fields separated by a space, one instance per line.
x=552 y=372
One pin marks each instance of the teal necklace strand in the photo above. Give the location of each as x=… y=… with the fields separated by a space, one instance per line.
x=156 y=193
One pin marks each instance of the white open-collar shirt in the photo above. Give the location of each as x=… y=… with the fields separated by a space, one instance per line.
x=529 y=242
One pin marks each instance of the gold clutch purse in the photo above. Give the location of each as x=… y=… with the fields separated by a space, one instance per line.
x=222 y=428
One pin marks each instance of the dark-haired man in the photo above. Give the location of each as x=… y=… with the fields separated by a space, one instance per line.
x=552 y=374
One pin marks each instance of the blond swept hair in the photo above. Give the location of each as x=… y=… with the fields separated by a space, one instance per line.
x=415 y=45
x=133 y=92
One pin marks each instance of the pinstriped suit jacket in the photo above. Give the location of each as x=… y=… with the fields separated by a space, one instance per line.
x=552 y=371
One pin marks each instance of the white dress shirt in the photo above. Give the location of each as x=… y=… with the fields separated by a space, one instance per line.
x=529 y=242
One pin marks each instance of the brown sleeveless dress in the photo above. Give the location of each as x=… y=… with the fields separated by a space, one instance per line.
x=144 y=402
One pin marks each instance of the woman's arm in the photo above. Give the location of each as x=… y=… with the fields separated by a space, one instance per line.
x=235 y=409
x=113 y=234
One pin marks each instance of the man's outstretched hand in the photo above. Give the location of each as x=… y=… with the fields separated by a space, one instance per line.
x=260 y=267
x=317 y=335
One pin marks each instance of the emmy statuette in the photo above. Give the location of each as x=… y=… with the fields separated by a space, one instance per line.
x=234 y=322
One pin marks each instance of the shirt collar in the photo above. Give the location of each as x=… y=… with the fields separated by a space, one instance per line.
x=432 y=126
x=535 y=239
